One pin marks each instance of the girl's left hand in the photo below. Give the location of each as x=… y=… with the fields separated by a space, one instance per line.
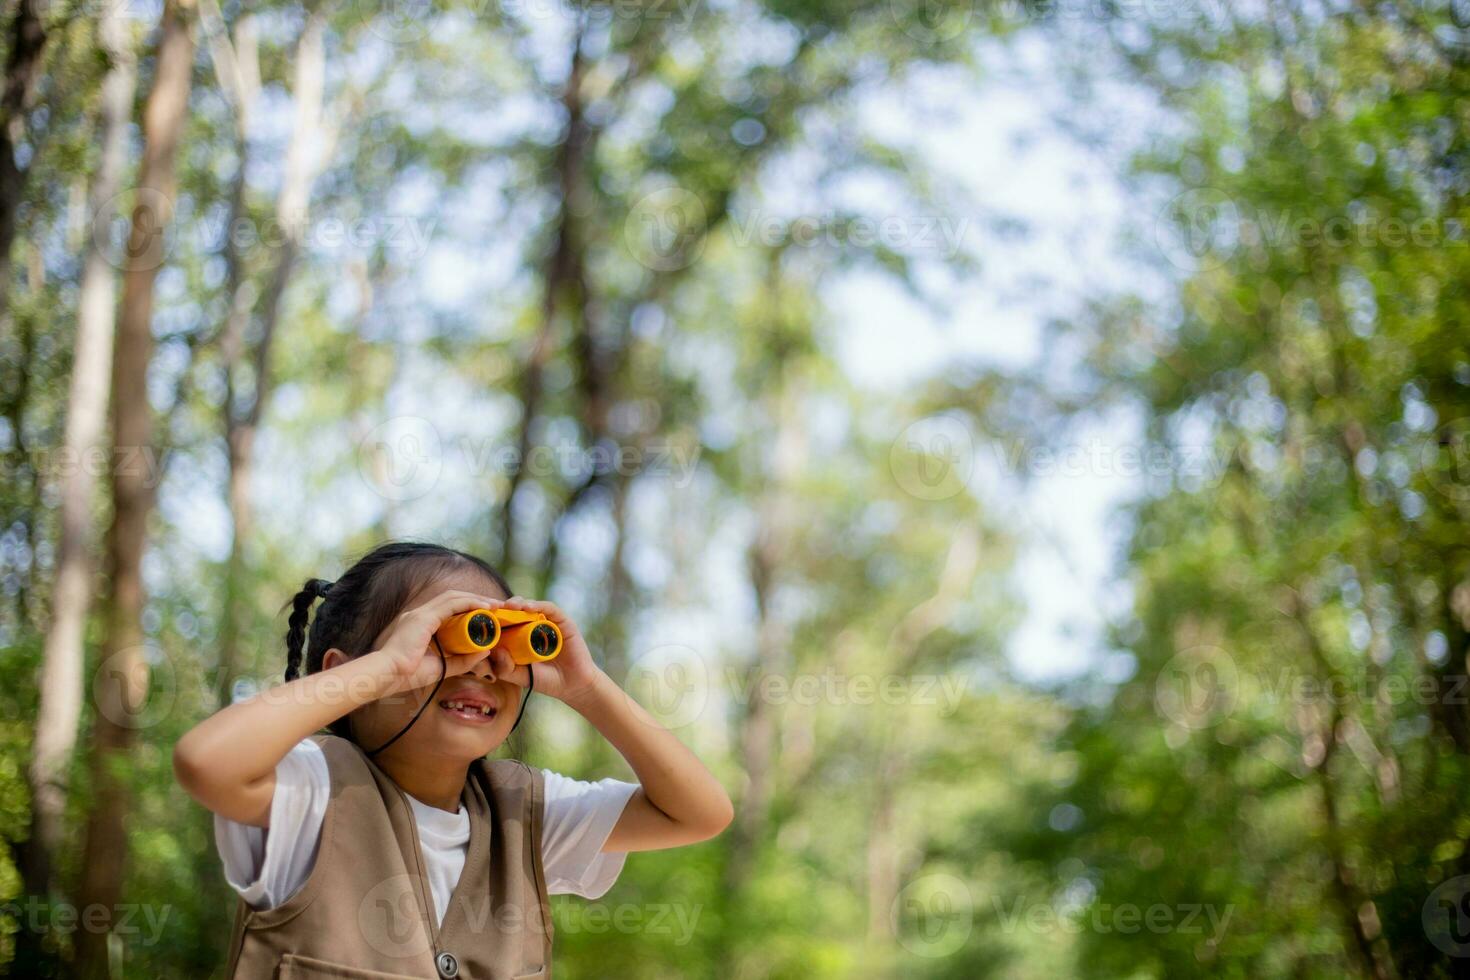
x=567 y=677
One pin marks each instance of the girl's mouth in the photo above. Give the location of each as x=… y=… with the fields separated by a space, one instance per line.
x=475 y=711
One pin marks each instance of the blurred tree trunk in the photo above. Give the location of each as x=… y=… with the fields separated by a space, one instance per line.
x=1345 y=893
x=27 y=42
x=86 y=418
x=609 y=633
x=778 y=515
x=894 y=754
x=123 y=676
x=614 y=646
x=22 y=514
x=237 y=66
x=883 y=844
x=242 y=417
x=370 y=278
x=22 y=69
x=565 y=288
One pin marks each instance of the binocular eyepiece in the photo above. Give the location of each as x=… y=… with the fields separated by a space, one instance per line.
x=529 y=637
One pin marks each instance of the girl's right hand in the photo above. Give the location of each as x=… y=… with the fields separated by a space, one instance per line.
x=406 y=649
x=228 y=761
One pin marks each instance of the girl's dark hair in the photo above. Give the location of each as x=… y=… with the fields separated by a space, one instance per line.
x=368 y=596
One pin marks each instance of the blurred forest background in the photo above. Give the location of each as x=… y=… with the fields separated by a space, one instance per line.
x=564 y=285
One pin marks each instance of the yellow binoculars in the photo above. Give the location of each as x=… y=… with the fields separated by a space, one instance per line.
x=529 y=637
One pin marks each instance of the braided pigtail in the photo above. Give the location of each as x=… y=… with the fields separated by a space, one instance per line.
x=314 y=589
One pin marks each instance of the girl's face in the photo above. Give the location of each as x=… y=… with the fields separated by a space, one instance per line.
x=472 y=712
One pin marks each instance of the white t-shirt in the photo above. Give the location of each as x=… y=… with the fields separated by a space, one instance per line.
x=267 y=868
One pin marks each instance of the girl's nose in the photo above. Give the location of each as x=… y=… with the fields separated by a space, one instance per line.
x=483 y=668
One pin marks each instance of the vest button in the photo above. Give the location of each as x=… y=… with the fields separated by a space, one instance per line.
x=448 y=965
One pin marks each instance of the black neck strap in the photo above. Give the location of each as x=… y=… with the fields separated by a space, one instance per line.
x=443 y=670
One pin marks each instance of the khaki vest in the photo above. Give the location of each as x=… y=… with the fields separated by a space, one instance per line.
x=366 y=911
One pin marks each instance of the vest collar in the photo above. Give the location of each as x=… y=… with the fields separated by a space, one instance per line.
x=466 y=915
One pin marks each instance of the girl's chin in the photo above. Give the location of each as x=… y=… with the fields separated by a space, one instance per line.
x=471 y=740
x=441 y=734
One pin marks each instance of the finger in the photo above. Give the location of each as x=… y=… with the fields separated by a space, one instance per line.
x=507 y=669
x=462 y=663
x=548 y=609
x=553 y=612
x=457 y=598
x=452 y=603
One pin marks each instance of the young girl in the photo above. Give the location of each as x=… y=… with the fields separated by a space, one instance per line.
x=392 y=848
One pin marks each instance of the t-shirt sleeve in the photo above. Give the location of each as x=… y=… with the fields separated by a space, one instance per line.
x=267 y=866
x=577 y=819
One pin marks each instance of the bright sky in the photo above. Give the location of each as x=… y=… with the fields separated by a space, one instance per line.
x=1007 y=149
